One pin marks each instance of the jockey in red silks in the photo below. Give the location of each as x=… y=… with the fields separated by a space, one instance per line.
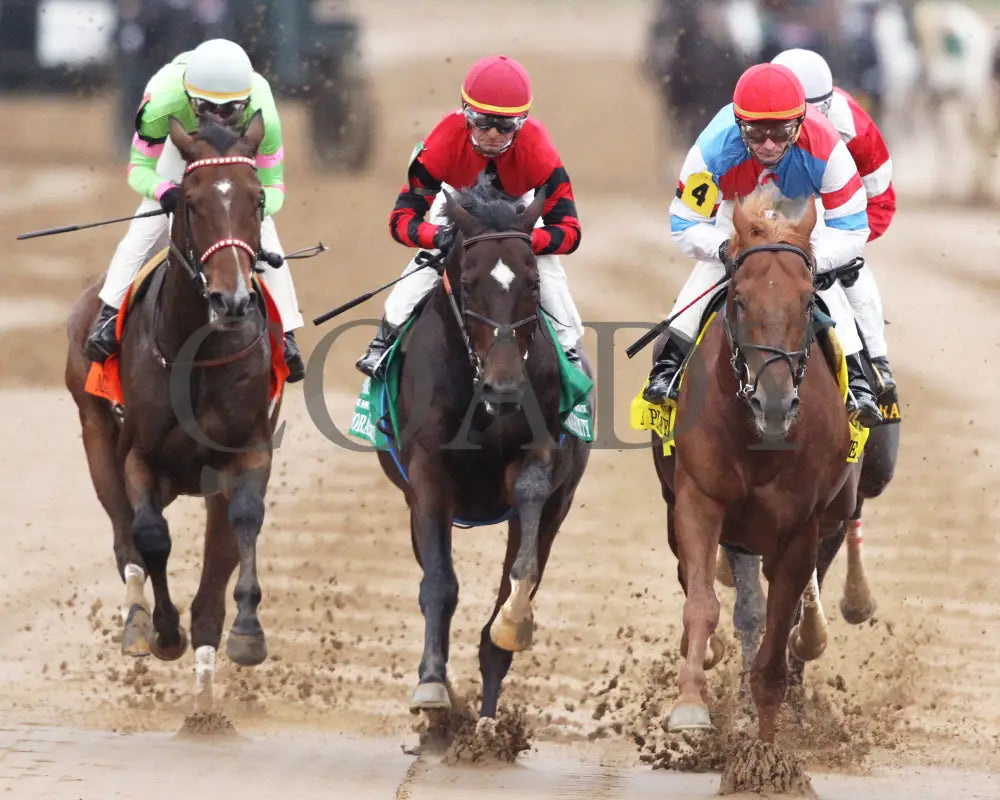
x=768 y=139
x=490 y=133
x=868 y=149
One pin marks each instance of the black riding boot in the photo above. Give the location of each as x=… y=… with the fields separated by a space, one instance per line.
x=372 y=363
x=293 y=359
x=102 y=341
x=662 y=385
x=864 y=398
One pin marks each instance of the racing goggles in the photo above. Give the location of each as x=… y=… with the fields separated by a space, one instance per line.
x=758 y=133
x=225 y=112
x=484 y=122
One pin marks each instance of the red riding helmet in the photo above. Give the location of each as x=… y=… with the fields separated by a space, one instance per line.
x=769 y=92
x=499 y=86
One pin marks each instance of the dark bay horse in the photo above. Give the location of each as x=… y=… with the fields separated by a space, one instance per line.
x=195 y=365
x=480 y=433
x=762 y=438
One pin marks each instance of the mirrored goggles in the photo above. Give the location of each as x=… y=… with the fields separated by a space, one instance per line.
x=221 y=111
x=484 y=122
x=758 y=133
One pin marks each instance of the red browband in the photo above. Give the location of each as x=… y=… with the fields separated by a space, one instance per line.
x=215 y=248
x=219 y=161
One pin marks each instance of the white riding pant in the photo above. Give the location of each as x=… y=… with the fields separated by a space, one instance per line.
x=146 y=237
x=553 y=287
x=706 y=273
x=867 y=306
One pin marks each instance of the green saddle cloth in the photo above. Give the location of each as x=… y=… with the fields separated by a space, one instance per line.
x=378 y=398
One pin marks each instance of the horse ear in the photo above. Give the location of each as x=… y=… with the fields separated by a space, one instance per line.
x=255 y=131
x=741 y=221
x=807 y=221
x=180 y=137
x=530 y=215
x=462 y=218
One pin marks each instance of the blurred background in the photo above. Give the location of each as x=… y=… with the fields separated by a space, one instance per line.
x=623 y=87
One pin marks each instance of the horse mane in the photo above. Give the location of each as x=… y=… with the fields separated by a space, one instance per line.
x=221 y=137
x=769 y=222
x=495 y=209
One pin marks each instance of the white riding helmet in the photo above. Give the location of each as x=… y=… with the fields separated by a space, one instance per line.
x=219 y=71
x=812 y=71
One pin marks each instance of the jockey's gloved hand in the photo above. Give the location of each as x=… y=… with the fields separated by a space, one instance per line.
x=444 y=238
x=168 y=200
x=848 y=278
x=824 y=280
x=727 y=262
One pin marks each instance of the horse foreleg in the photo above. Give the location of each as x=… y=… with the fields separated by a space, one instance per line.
x=208 y=609
x=807 y=640
x=430 y=530
x=100 y=443
x=787 y=574
x=246 y=644
x=495 y=661
x=513 y=627
x=829 y=546
x=749 y=607
x=152 y=540
x=698 y=521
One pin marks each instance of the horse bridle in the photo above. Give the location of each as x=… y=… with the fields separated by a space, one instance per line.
x=795 y=359
x=189 y=258
x=194 y=263
x=502 y=331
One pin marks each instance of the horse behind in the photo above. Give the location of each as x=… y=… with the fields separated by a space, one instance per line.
x=480 y=435
x=762 y=438
x=195 y=365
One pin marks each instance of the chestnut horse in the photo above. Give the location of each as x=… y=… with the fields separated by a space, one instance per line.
x=479 y=396
x=762 y=437
x=195 y=365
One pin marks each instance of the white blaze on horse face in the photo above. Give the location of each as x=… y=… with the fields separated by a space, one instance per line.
x=503 y=275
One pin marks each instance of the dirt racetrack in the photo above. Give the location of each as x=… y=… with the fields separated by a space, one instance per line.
x=908 y=704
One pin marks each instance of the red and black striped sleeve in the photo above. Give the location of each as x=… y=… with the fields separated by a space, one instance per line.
x=560 y=231
x=406 y=222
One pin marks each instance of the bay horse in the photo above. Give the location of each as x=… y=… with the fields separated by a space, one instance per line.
x=195 y=366
x=761 y=442
x=478 y=411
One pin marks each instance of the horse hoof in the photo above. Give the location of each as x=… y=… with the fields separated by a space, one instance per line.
x=856 y=614
x=430 y=696
x=799 y=649
x=169 y=652
x=689 y=717
x=512 y=636
x=246 y=649
x=717 y=649
x=137 y=632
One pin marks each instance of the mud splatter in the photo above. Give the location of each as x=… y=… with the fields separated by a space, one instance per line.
x=461 y=736
x=765 y=768
x=207 y=725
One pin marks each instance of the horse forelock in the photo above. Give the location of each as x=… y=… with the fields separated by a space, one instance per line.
x=493 y=209
x=769 y=225
x=220 y=138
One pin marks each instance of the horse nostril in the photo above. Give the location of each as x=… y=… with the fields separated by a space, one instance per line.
x=217 y=300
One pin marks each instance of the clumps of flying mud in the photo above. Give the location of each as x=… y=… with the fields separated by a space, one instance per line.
x=207 y=725
x=853 y=702
x=756 y=766
x=460 y=736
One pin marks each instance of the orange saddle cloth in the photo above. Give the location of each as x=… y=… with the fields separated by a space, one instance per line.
x=104 y=380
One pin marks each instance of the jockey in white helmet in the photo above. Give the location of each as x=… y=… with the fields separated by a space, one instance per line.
x=215 y=80
x=868 y=149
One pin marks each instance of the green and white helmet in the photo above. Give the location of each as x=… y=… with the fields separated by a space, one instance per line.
x=219 y=71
